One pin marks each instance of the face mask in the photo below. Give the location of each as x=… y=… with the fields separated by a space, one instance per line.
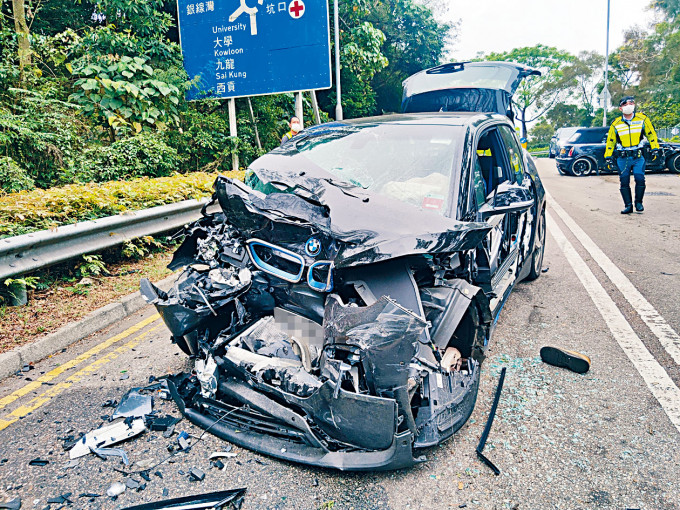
x=295 y=127
x=628 y=109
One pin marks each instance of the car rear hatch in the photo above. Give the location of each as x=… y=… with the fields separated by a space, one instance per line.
x=464 y=87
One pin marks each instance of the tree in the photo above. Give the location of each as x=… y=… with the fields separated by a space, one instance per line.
x=583 y=76
x=414 y=40
x=23 y=34
x=541 y=134
x=537 y=94
x=568 y=115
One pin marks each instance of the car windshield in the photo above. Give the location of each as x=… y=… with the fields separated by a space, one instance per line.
x=589 y=136
x=412 y=163
x=477 y=76
x=565 y=133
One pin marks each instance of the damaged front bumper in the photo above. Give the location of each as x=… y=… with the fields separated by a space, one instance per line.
x=323 y=353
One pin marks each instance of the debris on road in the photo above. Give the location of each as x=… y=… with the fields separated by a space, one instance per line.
x=38 y=462
x=487 y=427
x=116 y=489
x=196 y=475
x=227 y=455
x=12 y=504
x=222 y=500
x=111 y=434
x=112 y=452
x=133 y=404
x=572 y=360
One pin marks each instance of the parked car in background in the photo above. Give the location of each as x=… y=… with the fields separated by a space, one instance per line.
x=560 y=136
x=583 y=154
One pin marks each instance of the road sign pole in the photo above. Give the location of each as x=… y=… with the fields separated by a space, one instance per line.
x=315 y=107
x=338 y=98
x=299 y=110
x=252 y=119
x=606 y=70
x=232 y=131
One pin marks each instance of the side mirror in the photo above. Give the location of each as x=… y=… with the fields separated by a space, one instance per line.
x=507 y=198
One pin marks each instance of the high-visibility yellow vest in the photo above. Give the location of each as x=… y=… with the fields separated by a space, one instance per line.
x=629 y=133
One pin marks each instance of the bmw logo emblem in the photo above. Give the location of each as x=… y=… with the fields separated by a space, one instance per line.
x=313 y=247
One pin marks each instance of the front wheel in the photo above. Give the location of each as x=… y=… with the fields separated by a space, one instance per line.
x=582 y=166
x=539 y=249
x=673 y=163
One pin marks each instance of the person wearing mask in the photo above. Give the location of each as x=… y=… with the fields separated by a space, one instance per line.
x=625 y=135
x=295 y=128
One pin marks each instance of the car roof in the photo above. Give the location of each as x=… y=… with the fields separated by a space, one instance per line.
x=586 y=129
x=438 y=118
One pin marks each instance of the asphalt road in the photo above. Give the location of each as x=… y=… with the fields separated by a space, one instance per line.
x=606 y=439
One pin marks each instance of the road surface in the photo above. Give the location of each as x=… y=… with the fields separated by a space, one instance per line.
x=606 y=439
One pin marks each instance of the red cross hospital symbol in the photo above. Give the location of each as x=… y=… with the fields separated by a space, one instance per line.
x=296 y=9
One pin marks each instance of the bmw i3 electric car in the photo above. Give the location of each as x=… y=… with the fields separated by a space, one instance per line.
x=338 y=303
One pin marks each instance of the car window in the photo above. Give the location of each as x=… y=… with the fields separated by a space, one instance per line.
x=409 y=162
x=589 y=136
x=478 y=183
x=514 y=154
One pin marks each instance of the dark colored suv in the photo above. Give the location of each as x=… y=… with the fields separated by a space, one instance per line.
x=583 y=154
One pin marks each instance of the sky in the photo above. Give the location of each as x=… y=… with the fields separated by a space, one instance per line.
x=572 y=25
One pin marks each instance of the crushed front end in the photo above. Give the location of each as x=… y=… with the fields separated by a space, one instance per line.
x=322 y=331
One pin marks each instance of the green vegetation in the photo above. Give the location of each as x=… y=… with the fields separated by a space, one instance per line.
x=93 y=91
x=29 y=211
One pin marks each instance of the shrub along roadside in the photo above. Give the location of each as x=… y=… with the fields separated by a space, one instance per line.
x=30 y=211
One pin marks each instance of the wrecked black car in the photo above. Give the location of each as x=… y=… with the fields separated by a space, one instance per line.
x=339 y=302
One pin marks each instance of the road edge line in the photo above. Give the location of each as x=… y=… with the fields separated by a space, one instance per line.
x=664 y=332
x=653 y=374
x=12 y=361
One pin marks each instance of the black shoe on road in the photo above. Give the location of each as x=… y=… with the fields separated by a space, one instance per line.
x=574 y=361
x=628 y=209
x=639 y=207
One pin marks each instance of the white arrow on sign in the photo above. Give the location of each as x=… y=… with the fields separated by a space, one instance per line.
x=248 y=10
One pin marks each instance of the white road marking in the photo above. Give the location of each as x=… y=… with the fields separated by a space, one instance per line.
x=658 y=381
x=668 y=338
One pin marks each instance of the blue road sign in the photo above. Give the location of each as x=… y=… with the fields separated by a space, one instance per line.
x=254 y=47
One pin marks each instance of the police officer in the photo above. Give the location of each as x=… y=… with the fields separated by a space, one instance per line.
x=295 y=127
x=628 y=131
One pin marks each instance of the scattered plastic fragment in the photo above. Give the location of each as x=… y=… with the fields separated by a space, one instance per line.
x=104 y=436
x=224 y=500
x=71 y=464
x=110 y=403
x=38 y=462
x=217 y=455
x=163 y=423
x=217 y=464
x=489 y=422
x=131 y=483
x=116 y=489
x=61 y=500
x=12 y=504
x=145 y=475
x=545 y=270
x=196 y=475
x=133 y=404
x=112 y=452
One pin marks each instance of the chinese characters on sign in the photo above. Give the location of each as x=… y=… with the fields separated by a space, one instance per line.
x=253 y=47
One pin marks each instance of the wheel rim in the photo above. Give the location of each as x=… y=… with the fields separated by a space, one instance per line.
x=675 y=164
x=581 y=167
x=540 y=245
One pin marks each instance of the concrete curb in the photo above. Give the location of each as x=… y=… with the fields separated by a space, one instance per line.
x=12 y=361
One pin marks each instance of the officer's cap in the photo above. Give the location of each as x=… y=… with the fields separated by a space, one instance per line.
x=624 y=100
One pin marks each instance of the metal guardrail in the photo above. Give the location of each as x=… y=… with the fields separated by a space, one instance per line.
x=538 y=153
x=29 y=252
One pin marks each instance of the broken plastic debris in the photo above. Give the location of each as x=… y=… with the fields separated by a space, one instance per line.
x=38 y=462
x=133 y=404
x=113 y=452
x=116 y=489
x=227 y=455
x=196 y=475
x=104 y=436
x=12 y=504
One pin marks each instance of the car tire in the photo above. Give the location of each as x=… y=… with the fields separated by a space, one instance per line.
x=673 y=163
x=539 y=249
x=559 y=170
x=581 y=167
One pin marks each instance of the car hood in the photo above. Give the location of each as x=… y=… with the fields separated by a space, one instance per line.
x=356 y=225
